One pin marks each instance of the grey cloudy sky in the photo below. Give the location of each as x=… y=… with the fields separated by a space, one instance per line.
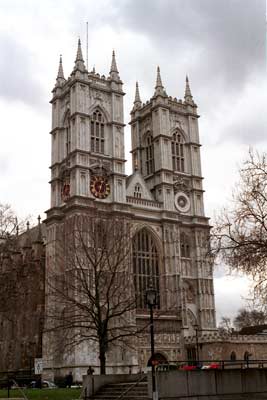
x=220 y=44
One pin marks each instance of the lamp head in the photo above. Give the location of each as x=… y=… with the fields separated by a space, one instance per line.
x=151 y=295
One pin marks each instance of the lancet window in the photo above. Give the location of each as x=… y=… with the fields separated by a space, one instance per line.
x=178 y=152
x=97 y=132
x=145 y=266
x=184 y=245
x=67 y=135
x=150 y=166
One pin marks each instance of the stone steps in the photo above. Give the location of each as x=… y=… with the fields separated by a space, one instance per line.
x=132 y=390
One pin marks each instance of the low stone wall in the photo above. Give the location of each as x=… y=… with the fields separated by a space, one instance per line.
x=183 y=384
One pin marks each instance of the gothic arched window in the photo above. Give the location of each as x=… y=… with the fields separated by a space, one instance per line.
x=145 y=266
x=233 y=356
x=177 y=152
x=97 y=132
x=185 y=245
x=150 y=167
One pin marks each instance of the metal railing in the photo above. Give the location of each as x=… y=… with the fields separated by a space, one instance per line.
x=212 y=364
x=121 y=396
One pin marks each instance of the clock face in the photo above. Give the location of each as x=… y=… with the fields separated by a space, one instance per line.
x=182 y=202
x=100 y=187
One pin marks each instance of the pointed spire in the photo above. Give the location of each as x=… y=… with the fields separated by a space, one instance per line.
x=27 y=243
x=79 y=56
x=79 y=62
x=39 y=235
x=113 y=67
x=159 y=88
x=114 y=73
x=60 y=75
x=159 y=81
x=137 y=99
x=188 y=96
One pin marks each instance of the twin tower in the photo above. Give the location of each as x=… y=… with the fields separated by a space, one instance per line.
x=162 y=198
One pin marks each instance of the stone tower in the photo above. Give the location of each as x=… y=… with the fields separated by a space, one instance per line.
x=87 y=102
x=166 y=161
x=162 y=198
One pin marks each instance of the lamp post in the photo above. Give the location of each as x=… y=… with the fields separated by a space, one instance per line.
x=197 y=348
x=151 y=301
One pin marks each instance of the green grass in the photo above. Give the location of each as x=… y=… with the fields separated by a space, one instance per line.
x=44 y=394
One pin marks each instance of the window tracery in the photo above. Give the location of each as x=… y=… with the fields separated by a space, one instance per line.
x=145 y=266
x=177 y=144
x=97 y=132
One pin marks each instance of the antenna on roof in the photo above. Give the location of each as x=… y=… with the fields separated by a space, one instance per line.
x=87 y=45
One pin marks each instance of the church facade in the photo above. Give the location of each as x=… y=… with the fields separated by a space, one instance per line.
x=162 y=198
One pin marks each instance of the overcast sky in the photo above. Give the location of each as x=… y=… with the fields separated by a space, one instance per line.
x=220 y=44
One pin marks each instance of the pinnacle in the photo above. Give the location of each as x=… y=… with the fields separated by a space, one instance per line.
x=27 y=242
x=113 y=67
x=60 y=74
x=79 y=62
x=39 y=235
x=188 y=95
x=158 y=82
x=114 y=73
x=159 y=88
x=187 y=87
x=79 y=56
x=137 y=94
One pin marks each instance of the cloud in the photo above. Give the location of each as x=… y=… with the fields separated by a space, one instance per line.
x=227 y=49
x=17 y=79
x=4 y=164
x=230 y=295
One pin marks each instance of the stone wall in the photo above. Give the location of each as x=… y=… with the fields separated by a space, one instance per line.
x=220 y=347
x=22 y=304
x=205 y=383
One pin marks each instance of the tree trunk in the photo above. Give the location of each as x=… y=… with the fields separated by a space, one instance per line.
x=102 y=358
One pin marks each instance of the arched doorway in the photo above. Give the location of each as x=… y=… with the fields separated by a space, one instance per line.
x=158 y=359
x=233 y=356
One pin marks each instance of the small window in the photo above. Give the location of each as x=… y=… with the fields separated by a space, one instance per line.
x=137 y=191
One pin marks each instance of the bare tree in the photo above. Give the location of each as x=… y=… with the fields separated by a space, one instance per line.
x=94 y=288
x=225 y=326
x=9 y=227
x=240 y=234
x=247 y=318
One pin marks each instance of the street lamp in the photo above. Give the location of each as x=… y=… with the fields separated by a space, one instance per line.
x=197 y=348
x=151 y=301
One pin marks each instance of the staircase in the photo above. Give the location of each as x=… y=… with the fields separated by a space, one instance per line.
x=123 y=391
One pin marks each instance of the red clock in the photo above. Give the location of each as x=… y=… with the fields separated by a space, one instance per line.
x=100 y=187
